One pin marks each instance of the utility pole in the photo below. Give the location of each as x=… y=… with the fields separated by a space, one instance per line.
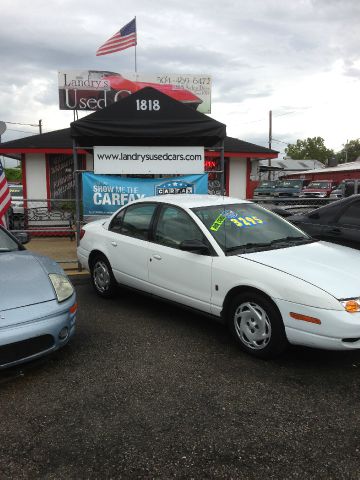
x=270 y=138
x=346 y=151
x=40 y=127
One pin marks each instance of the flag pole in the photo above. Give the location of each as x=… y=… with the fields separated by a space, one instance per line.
x=135 y=48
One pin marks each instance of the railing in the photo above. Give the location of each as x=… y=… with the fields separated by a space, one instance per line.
x=42 y=217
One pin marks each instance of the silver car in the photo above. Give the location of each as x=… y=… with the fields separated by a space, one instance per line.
x=37 y=303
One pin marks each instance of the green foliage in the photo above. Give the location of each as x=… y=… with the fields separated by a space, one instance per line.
x=13 y=174
x=311 y=148
x=350 y=152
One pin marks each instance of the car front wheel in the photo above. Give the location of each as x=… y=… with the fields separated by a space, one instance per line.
x=256 y=324
x=102 y=277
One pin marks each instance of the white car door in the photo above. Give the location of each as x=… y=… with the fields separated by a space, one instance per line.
x=181 y=276
x=128 y=249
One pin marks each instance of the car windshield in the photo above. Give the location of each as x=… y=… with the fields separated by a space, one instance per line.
x=246 y=227
x=7 y=244
x=290 y=184
x=323 y=185
x=16 y=190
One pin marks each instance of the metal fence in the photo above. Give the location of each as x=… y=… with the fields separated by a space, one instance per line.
x=43 y=217
x=290 y=206
x=57 y=218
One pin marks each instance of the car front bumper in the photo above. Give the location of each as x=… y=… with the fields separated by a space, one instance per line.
x=338 y=330
x=30 y=332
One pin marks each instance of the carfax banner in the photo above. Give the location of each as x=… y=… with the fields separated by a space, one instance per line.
x=104 y=194
x=95 y=90
x=148 y=160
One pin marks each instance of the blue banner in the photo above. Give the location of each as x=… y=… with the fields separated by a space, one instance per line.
x=104 y=194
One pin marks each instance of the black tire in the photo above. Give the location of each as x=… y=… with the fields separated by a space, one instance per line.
x=256 y=324
x=102 y=277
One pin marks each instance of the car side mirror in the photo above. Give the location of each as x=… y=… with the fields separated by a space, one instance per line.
x=195 y=246
x=22 y=237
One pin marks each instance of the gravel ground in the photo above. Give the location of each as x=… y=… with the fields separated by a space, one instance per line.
x=148 y=390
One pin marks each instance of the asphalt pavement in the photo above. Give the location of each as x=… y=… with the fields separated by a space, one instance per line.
x=148 y=390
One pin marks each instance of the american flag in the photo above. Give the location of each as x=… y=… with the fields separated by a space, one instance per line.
x=124 y=38
x=5 y=197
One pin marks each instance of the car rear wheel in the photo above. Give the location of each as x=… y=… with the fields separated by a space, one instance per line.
x=256 y=324
x=102 y=277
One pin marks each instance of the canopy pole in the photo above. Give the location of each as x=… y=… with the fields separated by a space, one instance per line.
x=222 y=168
x=77 y=192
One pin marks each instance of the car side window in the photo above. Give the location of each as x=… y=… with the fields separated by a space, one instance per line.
x=116 y=222
x=134 y=221
x=351 y=215
x=174 y=226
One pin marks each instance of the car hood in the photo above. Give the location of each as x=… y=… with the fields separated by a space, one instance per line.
x=333 y=268
x=24 y=279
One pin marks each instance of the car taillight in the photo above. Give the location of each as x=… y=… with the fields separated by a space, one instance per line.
x=82 y=233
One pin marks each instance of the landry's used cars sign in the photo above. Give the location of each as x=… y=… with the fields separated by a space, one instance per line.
x=95 y=90
x=148 y=160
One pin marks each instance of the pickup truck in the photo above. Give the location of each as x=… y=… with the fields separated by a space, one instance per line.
x=346 y=188
x=318 y=189
x=289 y=188
x=265 y=188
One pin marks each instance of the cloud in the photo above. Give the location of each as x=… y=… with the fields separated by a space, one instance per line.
x=262 y=55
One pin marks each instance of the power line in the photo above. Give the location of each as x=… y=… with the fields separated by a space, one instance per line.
x=22 y=131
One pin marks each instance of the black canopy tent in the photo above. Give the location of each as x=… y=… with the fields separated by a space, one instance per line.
x=147 y=118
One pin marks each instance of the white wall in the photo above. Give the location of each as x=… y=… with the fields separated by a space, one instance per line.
x=237 y=177
x=35 y=177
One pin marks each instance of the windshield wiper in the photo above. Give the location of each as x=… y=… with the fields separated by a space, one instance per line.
x=292 y=239
x=247 y=246
x=277 y=243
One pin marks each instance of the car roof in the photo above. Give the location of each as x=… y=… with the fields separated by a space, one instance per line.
x=194 y=200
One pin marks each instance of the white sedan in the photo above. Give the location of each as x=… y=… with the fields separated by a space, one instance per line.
x=271 y=282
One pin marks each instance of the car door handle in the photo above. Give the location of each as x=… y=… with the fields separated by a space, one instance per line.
x=114 y=244
x=157 y=257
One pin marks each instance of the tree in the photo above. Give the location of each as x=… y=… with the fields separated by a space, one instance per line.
x=350 y=152
x=13 y=174
x=311 y=148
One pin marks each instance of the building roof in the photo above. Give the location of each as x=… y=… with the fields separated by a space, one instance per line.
x=60 y=140
x=342 y=167
x=289 y=164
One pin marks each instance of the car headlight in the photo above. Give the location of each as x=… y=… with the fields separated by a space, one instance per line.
x=351 y=305
x=62 y=286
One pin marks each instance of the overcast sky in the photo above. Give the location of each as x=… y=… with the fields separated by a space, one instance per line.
x=299 y=58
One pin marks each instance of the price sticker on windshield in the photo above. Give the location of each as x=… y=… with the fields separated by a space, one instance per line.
x=241 y=222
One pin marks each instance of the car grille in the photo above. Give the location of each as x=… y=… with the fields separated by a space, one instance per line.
x=26 y=348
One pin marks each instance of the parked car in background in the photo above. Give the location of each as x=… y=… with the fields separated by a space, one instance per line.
x=337 y=222
x=289 y=188
x=234 y=260
x=265 y=188
x=37 y=303
x=17 y=199
x=318 y=189
x=346 y=188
